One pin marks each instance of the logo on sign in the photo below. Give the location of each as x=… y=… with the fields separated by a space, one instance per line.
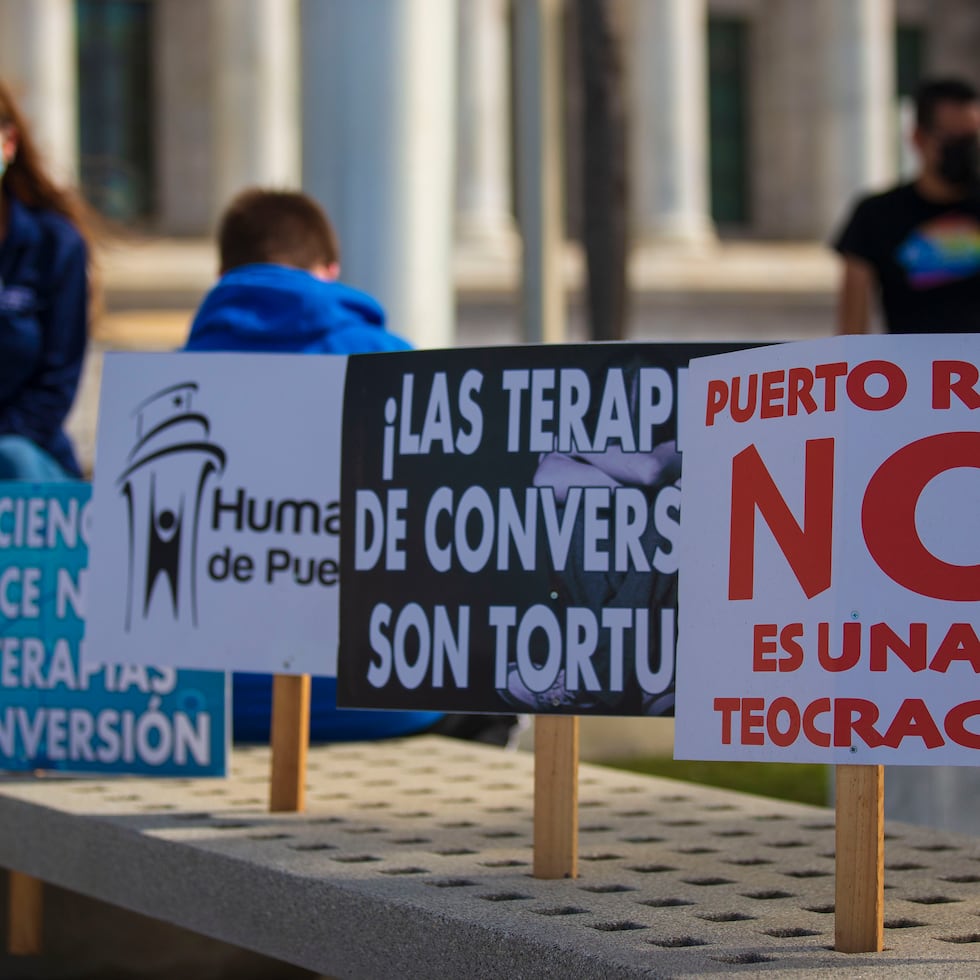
x=168 y=466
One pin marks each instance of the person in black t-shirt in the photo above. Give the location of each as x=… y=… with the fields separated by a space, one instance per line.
x=918 y=244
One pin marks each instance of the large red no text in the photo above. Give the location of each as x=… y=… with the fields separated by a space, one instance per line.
x=890 y=534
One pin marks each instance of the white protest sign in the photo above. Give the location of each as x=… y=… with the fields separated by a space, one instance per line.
x=830 y=553
x=216 y=512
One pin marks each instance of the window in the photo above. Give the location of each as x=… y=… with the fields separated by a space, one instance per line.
x=728 y=121
x=115 y=106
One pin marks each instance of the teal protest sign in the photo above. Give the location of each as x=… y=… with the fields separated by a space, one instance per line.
x=60 y=712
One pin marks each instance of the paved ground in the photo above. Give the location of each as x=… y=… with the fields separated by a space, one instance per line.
x=734 y=292
x=414 y=858
x=494 y=320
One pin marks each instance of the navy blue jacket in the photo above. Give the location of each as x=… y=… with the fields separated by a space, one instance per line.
x=274 y=309
x=43 y=327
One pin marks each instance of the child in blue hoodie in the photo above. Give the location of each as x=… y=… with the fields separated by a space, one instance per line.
x=278 y=293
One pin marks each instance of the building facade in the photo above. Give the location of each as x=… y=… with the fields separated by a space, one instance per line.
x=757 y=118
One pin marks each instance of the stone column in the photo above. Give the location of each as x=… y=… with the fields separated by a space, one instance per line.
x=824 y=119
x=38 y=52
x=184 y=128
x=862 y=105
x=256 y=97
x=669 y=136
x=485 y=227
x=378 y=110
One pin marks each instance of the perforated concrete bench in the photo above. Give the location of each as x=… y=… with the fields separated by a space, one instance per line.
x=413 y=860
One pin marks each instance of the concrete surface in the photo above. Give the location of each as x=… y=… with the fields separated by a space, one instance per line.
x=85 y=939
x=413 y=860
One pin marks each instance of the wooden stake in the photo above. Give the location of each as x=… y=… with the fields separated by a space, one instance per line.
x=25 y=914
x=860 y=903
x=555 y=796
x=290 y=741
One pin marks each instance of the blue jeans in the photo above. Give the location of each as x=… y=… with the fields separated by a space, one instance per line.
x=21 y=459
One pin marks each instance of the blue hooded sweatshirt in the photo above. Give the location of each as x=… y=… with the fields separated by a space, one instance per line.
x=275 y=309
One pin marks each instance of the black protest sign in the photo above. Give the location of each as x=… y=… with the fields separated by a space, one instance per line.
x=510 y=535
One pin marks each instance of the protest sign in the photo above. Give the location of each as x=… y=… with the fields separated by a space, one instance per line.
x=217 y=506
x=511 y=530
x=58 y=712
x=829 y=574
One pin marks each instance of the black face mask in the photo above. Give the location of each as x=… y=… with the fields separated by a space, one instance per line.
x=959 y=162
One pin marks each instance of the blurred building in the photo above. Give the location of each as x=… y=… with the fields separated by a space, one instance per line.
x=755 y=118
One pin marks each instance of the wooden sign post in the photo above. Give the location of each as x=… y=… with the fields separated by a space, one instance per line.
x=538 y=66
x=290 y=740
x=556 y=796
x=25 y=914
x=860 y=858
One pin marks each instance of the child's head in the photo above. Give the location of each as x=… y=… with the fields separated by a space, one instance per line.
x=279 y=227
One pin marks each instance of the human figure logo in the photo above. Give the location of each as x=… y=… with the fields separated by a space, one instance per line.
x=163 y=484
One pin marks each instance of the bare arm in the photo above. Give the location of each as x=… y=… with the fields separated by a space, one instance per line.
x=854 y=296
